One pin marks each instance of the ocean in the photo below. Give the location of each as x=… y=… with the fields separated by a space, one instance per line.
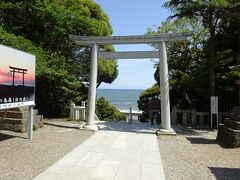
x=123 y=99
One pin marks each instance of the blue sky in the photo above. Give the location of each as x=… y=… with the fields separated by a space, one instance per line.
x=133 y=17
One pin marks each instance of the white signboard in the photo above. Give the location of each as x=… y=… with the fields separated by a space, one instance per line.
x=17 y=78
x=214 y=105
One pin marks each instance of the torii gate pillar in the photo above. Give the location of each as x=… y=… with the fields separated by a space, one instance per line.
x=92 y=90
x=164 y=91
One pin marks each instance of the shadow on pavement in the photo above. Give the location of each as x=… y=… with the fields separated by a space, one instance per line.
x=225 y=173
x=4 y=137
x=200 y=140
x=129 y=127
x=62 y=126
x=64 y=123
x=182 y=130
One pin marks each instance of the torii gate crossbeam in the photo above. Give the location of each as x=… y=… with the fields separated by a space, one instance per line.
x=145 y=39
x=128 y=55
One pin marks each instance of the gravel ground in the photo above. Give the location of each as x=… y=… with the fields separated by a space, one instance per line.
x=195 y=154
x=22 y=159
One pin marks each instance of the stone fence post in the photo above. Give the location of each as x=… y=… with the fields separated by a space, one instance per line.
x=72 y=113
x=83 y=104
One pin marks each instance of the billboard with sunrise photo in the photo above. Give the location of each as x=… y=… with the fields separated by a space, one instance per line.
x=17 y=78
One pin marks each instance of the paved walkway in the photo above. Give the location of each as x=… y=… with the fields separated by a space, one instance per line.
x=119 y=151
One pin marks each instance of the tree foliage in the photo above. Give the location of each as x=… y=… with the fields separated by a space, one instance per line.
x=188 y=68
x=49 y=22
x=209 y=12
x=107 y=112
x=107 y=71
x=42 y=27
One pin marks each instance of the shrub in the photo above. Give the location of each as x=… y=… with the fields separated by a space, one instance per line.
x=107 y=112
x=35 y=127
x=55 y=90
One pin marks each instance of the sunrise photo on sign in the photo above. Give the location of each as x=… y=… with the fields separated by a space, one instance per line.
x=17 y=76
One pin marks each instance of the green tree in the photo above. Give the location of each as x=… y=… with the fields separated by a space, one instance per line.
x=48 y=23
x=188 y=68
x=108 y=71
x=107 y=112
x=209 y=14
x=228 y=33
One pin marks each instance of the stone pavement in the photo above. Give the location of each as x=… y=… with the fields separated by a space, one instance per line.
x=118 y=151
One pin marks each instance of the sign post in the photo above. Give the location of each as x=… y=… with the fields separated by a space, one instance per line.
x=17 y=81
x=214 y=109
x=30 y=122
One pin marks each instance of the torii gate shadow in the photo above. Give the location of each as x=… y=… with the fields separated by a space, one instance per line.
x=144 y=128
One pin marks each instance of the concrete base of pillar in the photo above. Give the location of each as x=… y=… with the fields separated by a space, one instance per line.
x=91 y=128
x=170 y=132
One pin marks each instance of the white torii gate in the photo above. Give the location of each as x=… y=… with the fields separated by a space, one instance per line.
x=95 y=41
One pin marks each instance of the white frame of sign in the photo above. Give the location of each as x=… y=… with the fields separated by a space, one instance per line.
x=9 y=54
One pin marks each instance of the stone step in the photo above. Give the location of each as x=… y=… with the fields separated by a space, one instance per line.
x=13 y=124
x=13 y=114
x=232 y=124
x=17 y=114
x=13 y=120
x=16 y=119
x=228 y=136
x=19 y=125
x=12 y=109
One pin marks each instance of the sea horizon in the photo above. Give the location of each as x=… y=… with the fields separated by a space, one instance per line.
x=122 y=99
